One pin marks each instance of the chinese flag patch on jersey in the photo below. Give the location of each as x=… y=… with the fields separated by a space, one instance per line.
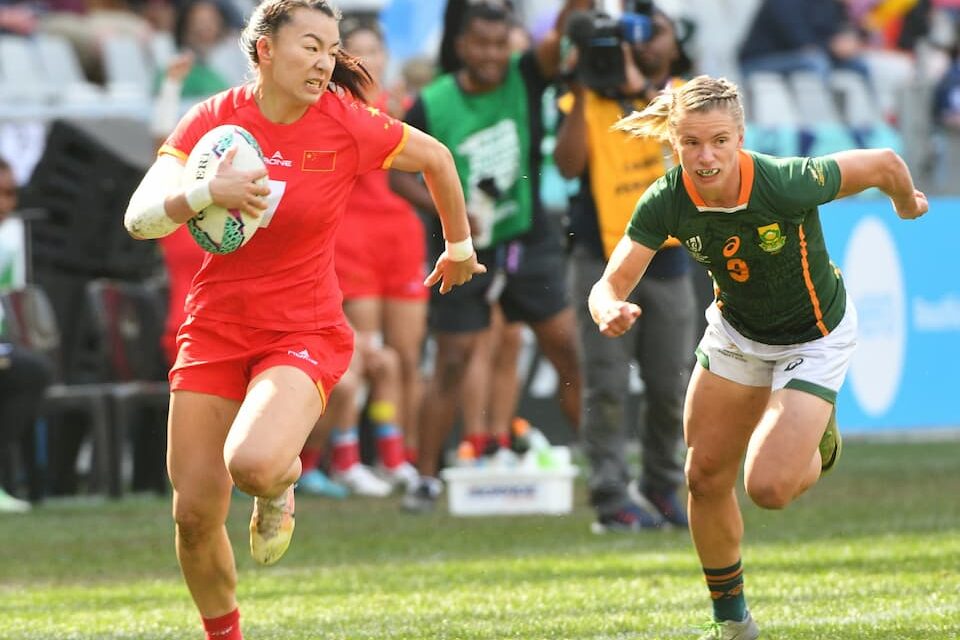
x=319 y=160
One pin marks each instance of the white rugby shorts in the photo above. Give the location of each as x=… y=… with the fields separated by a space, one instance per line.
x=818 y=366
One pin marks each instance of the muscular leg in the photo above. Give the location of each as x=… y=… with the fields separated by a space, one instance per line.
x=381 y=369
x=719 y=418
x=505 y=386
x=477 y=382
x=557 y=339
x=262 y=449
x=439 y=405
x=783 y=459
x=404 y=329
x=197 y=429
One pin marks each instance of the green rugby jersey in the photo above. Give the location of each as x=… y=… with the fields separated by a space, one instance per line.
x=775 y=282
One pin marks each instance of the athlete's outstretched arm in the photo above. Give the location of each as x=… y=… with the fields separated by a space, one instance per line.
x=423 y=153
x=608 y=297
x=862 y=169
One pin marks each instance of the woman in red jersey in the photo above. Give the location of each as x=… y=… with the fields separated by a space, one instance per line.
x=382 y=279
x=265 y=339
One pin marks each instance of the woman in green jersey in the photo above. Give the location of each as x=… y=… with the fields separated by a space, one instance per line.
x=782 y=329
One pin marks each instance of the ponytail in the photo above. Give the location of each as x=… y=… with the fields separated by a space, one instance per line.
x=652 y=122
x=350 y=74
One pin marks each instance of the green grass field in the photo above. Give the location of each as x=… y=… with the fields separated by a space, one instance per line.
x=873 y=552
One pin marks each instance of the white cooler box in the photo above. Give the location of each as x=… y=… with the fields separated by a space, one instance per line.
x=483 y=491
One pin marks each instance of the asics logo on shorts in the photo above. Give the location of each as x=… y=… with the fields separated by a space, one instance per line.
x=793 y=365
x=303 y=354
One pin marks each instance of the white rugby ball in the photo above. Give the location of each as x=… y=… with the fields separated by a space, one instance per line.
x=216 y=229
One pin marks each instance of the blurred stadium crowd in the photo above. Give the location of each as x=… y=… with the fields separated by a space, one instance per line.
x=89 y=87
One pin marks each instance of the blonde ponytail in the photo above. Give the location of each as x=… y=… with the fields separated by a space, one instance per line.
x=652 y=122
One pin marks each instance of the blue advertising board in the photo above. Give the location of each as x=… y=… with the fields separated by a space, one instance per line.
x=906 y=288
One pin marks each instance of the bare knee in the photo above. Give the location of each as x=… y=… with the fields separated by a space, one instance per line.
x=451 y=367
x=708 y=479
x=384 y=364
x=196 y=524
x=769 y=491
x=409 y=363
x=253 y=474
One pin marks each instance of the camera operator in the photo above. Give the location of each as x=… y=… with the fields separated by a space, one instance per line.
x=614 y=172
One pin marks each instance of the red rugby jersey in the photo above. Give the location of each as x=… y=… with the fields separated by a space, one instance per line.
x=283 y=278
x=372 y=194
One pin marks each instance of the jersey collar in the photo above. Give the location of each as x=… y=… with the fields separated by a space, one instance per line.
x=746 y=187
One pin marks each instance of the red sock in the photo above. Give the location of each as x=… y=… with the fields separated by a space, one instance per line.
x=479 y=442
x=310 y=458
x=503 y=439
x=346 y=450
x=411 y=454
x=389 y=446
x=225 y=627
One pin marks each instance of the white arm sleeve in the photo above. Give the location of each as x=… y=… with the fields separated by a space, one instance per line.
x=146 y=216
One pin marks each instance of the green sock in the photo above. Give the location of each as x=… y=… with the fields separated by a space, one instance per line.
x=726 y=590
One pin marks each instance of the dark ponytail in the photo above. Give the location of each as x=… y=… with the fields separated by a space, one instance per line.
x=352 y=75
x=270 y=15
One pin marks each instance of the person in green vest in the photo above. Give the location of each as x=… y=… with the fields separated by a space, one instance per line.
x=488 y=113
x=782 y=329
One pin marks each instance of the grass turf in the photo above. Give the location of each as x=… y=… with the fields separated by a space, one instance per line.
x=871 y=553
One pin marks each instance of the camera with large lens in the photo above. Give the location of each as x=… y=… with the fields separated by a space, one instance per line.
x=598 y=38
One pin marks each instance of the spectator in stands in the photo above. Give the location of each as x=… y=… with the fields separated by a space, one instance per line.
x=382 y=280
x=18 y=17
x=266 y=339
x=488 y=113
x=946 y=97
x=613 y=175
x=783 y=329
x=102 y=20
x=201 y=26
x=24 y=375
x=788 y=36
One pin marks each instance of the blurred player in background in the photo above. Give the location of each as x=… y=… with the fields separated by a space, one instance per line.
x=382 y=278
x=489 y=114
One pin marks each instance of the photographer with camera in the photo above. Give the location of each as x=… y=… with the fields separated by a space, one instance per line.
x=621 y=64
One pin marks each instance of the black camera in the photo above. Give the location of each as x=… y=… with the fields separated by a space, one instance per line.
x=598 y=38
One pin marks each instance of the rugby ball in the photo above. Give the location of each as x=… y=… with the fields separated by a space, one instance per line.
x=216 y=229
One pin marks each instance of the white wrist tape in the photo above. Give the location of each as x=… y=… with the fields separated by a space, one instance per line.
x=460 y=250
x=198 y=196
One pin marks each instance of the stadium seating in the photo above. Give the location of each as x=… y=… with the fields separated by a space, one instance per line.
x=33 y=324
x=127 y=319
